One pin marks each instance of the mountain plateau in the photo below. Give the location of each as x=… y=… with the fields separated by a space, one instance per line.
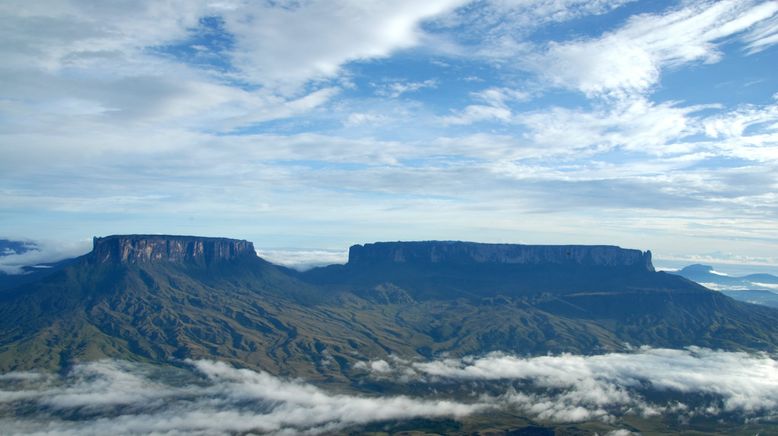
x=159 y=298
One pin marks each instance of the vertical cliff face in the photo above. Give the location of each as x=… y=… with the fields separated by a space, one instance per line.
x=134 y=249
x=455 y=252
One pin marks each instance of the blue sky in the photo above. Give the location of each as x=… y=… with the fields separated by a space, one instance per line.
x=319 y=124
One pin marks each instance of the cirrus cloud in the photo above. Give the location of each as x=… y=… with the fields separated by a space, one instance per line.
x=631 y=59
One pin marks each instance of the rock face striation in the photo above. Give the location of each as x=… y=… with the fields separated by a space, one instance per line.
x=135 y=249
x=462 y=253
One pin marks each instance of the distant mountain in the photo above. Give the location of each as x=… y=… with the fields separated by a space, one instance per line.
x=29 y=273
x=161 y=298
x=706 y=275
x=765 y=298
x=753 y=288
x=759 y=289
x=9 y=247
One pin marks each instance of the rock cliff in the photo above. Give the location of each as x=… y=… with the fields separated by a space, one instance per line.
x=455 y=252
x=133 y=249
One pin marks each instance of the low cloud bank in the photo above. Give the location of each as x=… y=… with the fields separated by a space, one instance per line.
x=649 y=381
x=114 y=397
x=302 y=260
x=40 y=252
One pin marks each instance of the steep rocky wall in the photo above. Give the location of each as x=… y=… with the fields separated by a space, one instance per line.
x=132 y=249
x=469 y=252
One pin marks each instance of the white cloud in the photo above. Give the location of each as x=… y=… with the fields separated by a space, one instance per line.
x=128 y=398
x=500 y=96
x=501 y=26
x=762 y=36
x=42 y=252
x=98 y=67
x=362 y=118
x=478 y=112
x=304 y=259
x=665 y=130
x=577 y=388
x=295 y=42
x=396 y=89
x=734 y=123
x=725 y=258
x=631 y=59
x=124 y=398
x=634 y=124
x=494 y=107
x=55 y=36
x=771 y=286
x=274 y=42
x=115 y=66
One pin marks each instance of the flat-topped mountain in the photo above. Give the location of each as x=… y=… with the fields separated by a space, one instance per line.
x=454 y=269
x=457 y=252
x=162 y=298
x=131 y=249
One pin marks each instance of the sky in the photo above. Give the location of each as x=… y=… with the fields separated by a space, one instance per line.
x=320 y=124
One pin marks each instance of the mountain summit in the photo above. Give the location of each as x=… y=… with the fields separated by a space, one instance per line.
x=132 y=249
x=455 y=269
x=458 y=252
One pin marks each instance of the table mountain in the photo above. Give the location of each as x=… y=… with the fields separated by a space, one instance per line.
x=465 y=253
x=163 y=298
x=452 y=269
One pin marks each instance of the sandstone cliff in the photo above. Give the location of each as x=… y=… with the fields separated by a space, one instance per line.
x=132 y=249
x=456 y=252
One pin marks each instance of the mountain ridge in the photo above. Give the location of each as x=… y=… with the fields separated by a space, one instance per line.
x=706 y=274
x=512 y=254
x=450 y=269
x=142 y=248
x=240 y=308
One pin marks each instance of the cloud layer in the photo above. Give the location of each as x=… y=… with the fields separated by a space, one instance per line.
x=304 y=259
x=109 y=397
x=41 y=252
x=214 y=398
x=697 y=382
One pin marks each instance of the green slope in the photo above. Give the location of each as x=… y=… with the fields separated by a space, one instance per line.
x=257 y=315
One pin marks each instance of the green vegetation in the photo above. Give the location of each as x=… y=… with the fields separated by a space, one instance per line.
x=317 y=325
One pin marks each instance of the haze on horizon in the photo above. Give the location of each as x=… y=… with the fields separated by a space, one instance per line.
x=650 y=125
